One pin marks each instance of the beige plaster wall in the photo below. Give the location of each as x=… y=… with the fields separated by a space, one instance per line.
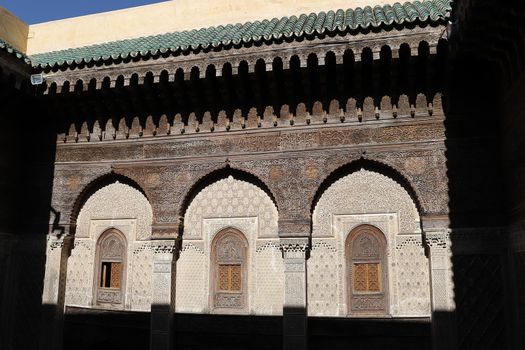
x=13 y=30
x=170 y=16
x=244 y=206
x=366 y=197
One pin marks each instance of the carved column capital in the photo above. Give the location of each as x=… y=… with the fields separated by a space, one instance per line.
x=166 y=230
x=61 y=229
x=164 y=246
x=439 y=246
x=437 y=239
x=295 y=227
x=294 y=248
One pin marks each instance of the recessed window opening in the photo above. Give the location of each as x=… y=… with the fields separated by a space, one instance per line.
x=367 y=272
x=228 y=272
x=110 y=274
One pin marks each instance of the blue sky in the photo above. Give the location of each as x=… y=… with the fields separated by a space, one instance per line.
x=36 y=11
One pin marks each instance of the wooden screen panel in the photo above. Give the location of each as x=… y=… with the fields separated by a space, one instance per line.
x=374 y=277
x=360 y=278
x=367 y=277
x=230 y=278
x=111 y=275
x=116 y=275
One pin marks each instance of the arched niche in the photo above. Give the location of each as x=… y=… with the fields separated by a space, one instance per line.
x=367 y=272
x=366 y=197
x=230 y=202
x=229 y=272
x=120 y=207
x=111 y=268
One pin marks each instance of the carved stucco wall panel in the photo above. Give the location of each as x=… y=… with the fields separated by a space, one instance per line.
x=243 y=206
x=117 y=201
x=366 y=197
x=68 y=184
x=124 y=208
x=413 y=285
x=364 y=192
x=315 y=154
x=267 y=295
x=229 y=198
x=192 y=272
x=140 y=275
x=324 y=279
x=79 y=284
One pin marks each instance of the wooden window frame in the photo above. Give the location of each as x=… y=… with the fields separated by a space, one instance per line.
x=118 y=294
x=354 y=297
x=214 y=273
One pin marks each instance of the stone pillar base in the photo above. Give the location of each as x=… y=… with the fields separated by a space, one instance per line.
x=163 y=299
x=295 y=303
x=441 y=286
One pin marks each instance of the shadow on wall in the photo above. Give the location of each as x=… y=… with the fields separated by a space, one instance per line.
x=477 y=205
x=87 y=329
x=27 y=154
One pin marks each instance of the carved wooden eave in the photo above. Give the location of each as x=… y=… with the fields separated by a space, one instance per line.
x=396 y=74
x=95 y=76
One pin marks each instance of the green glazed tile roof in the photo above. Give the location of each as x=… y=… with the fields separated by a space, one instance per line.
x=9 y=49
x=287 y=27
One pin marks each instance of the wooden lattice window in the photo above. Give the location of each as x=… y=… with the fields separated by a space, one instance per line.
x=367 y=275
x=228 y=279
x=110 y=274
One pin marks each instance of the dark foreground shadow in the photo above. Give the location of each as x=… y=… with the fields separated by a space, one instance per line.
x=370 y=334
x=96 y=329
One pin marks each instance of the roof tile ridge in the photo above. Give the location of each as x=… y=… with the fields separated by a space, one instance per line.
x=255 y=30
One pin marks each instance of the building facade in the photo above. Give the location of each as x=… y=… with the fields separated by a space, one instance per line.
x=309 y=166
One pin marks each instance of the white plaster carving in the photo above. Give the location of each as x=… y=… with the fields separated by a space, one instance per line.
x=231 y=198
x=324 y=282
x=192 y=272
x=116 y=201
x=141 y=270
x=231 y=203
x=370 y=198
x=123 y=208
x=267 y=292
x=80 y=269
x=439 y=244
x=364 y=192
